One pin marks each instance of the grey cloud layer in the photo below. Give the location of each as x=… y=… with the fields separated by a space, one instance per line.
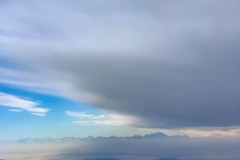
x=171 y=64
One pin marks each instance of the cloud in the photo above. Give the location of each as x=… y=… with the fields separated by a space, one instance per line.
x=15 y=110
x=84 y=115
x=168 y=64
x=8 y=100
x=92 y=119
x=38 y=114
x=149 y=149
x=209 y=132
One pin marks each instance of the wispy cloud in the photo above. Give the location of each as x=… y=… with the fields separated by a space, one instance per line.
x=38 y=114
x=15 y=110
x=84 y=118
x=19 y=104
x=84 y=115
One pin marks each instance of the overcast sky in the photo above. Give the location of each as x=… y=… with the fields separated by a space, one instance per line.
x=164 y=64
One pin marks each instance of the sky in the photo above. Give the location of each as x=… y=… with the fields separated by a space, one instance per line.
x=80 y=68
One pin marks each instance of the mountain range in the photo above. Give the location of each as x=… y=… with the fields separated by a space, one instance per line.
x=156 y=135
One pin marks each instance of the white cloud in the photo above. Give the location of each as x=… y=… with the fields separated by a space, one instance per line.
x=8 y=100
x=38 y=114
x=92 y=119
x=84 y=115
x=15 y=110
x=101 y=122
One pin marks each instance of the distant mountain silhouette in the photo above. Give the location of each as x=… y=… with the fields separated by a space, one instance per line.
x=157 y=135
x=103 y=159
x=168 y=158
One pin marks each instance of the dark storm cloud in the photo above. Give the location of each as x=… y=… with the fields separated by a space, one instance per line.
x=171 y=64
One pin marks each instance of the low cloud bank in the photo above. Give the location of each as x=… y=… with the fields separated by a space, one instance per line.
x=148 y=149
